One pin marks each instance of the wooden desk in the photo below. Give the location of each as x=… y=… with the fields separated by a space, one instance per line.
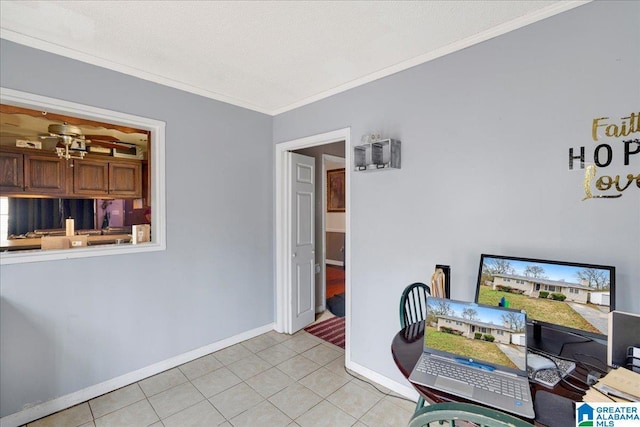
x=407 y=346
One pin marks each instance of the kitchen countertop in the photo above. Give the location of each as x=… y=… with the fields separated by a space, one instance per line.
x=34 y=243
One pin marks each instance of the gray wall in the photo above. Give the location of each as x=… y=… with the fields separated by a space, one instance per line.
x=335 y=246
x=70 y=324
x=485 y=138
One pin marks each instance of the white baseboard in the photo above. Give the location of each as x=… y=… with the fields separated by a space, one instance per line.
x=334 y=262
x=406 y=391
x=46 y=408
x=335 y=230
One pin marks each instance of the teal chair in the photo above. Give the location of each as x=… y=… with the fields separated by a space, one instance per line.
x=413 y=305
x=461 y=414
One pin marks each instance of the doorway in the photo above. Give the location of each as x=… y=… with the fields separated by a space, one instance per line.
x=329 y=227
x=333 y=235
x=283 y=290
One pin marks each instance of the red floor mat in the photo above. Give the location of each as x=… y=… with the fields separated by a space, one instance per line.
x=330 y=330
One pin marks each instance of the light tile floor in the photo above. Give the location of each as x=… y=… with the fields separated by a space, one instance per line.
x=268 y=381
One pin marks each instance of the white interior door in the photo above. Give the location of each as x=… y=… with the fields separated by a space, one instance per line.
x=302 y=243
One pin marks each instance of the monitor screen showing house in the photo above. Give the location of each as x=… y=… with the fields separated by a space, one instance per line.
x=471 y=331
x=575 y=296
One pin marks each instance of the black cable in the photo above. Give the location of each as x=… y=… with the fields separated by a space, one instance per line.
x=538 y=352
x=372 y=385
x=586 y=340
x=598 y=368
x=575 y=387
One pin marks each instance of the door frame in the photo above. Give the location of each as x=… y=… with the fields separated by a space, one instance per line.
x=282 y=233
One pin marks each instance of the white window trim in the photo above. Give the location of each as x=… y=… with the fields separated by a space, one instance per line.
x=158 y=206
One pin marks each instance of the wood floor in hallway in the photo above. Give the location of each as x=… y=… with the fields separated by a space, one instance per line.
x=335 y=280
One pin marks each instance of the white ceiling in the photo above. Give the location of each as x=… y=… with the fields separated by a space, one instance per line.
x=268 y=56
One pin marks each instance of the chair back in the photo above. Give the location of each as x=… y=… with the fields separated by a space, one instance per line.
x=461 y=414
x=413 y=303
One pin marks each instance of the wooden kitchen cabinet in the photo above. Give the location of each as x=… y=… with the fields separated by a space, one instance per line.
x=94 y=178
x=90 y=178
x=45 y=175
x=29 y=174
x=25 y=174
x=11 y=173
x=125 y=179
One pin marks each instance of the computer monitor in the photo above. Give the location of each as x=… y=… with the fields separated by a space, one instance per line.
x=558 y=296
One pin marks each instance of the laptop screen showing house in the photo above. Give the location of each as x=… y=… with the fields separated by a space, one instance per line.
x=492 y=335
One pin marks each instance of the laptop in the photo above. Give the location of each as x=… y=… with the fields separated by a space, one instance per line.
x=476 y=352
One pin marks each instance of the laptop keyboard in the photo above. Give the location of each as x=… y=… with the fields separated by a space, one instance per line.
x=506 y=386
